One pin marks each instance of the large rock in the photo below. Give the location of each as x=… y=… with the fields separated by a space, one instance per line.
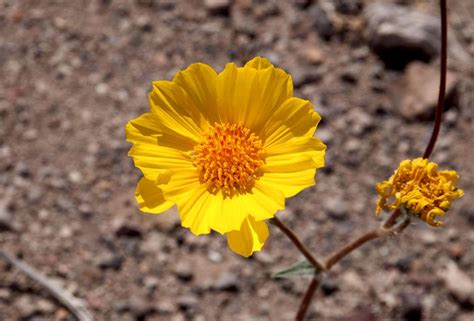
x=420 y=90
x=399 y=35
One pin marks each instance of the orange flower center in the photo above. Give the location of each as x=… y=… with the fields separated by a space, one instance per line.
x=229 y=158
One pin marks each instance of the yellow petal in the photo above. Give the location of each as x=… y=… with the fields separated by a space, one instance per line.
x=199 y=82
x=249 y=238
x=290 y=167
x=295 y=155
x=265 y=200
x=275 y=87
x=237 y=89
x=194 y=211
x=259 y=63
x=290 y=183
x=294 y=118
x=143 y=129
x=194 y=202
x=175 y=111
x=152 y=159
x=249 y=96
x=227 y=214
x=150 y=198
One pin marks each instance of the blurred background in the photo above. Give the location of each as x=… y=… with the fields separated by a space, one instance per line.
x=72 y=73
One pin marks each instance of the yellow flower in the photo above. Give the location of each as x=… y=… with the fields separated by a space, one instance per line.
x=418 y=186
x=226 y=149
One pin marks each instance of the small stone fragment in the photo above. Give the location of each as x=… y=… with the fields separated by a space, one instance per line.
x=126 y=229
x=329 y=287
x=227 y=282
x=411 y=307
x=218 y=7
x=312 y=55
x=109 y=260
x=6 y=217
x=187 y=302
x=322 y=22
x=336 y=207
x=184 y=272
x=458 y=283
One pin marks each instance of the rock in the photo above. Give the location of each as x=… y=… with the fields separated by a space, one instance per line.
x=44 y=306
x=360 y=121
x=360 y=315
x=303 y=4
x=411 y=307
x=184 y=272
x=404 y=263
x=227 y=282
x=264 y=258
x=353 y=281
x=123 y=228
x=5 y=295
x=322 y=22
x=109 y=260
x=137 y=306
x=420 y=90
x=75 y=177
x=312 y=55
x=350 y=7
x=350 y=74
x=451 y=117
x=457 y=250
x=165 y=306
x=151 y=283
x=427 y=236
x=458 y=283
x=329 y=287
x=25 y=306
x=400 y=35
x=214 y=256
x=218 y=7
x=31 y=134
x=144 y=23
x=336 y=207
x=35 y=194
x=304 y=76
x=467 y=316
x=102 y=89
x=187 y=302
x=6 y=217
x=468 y=213
x=23 y=170
x=168 y=221
x=153 y=243
x=140 y=308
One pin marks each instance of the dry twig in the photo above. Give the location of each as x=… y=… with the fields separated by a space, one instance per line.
x=73 y=304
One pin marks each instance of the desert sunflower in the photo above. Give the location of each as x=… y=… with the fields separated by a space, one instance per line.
x=226 y=149
x=420 y=188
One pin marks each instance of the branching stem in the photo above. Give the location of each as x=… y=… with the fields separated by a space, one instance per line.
x=390 y=227
x=368 y=236
x=296 y=241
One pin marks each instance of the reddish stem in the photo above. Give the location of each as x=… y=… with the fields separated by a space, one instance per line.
x=307 y=299
x=442 y=80
x=296 y=241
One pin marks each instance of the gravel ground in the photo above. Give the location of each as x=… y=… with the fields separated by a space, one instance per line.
x=74 y=72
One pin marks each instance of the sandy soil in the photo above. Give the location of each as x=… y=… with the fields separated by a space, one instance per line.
x=74 y=72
